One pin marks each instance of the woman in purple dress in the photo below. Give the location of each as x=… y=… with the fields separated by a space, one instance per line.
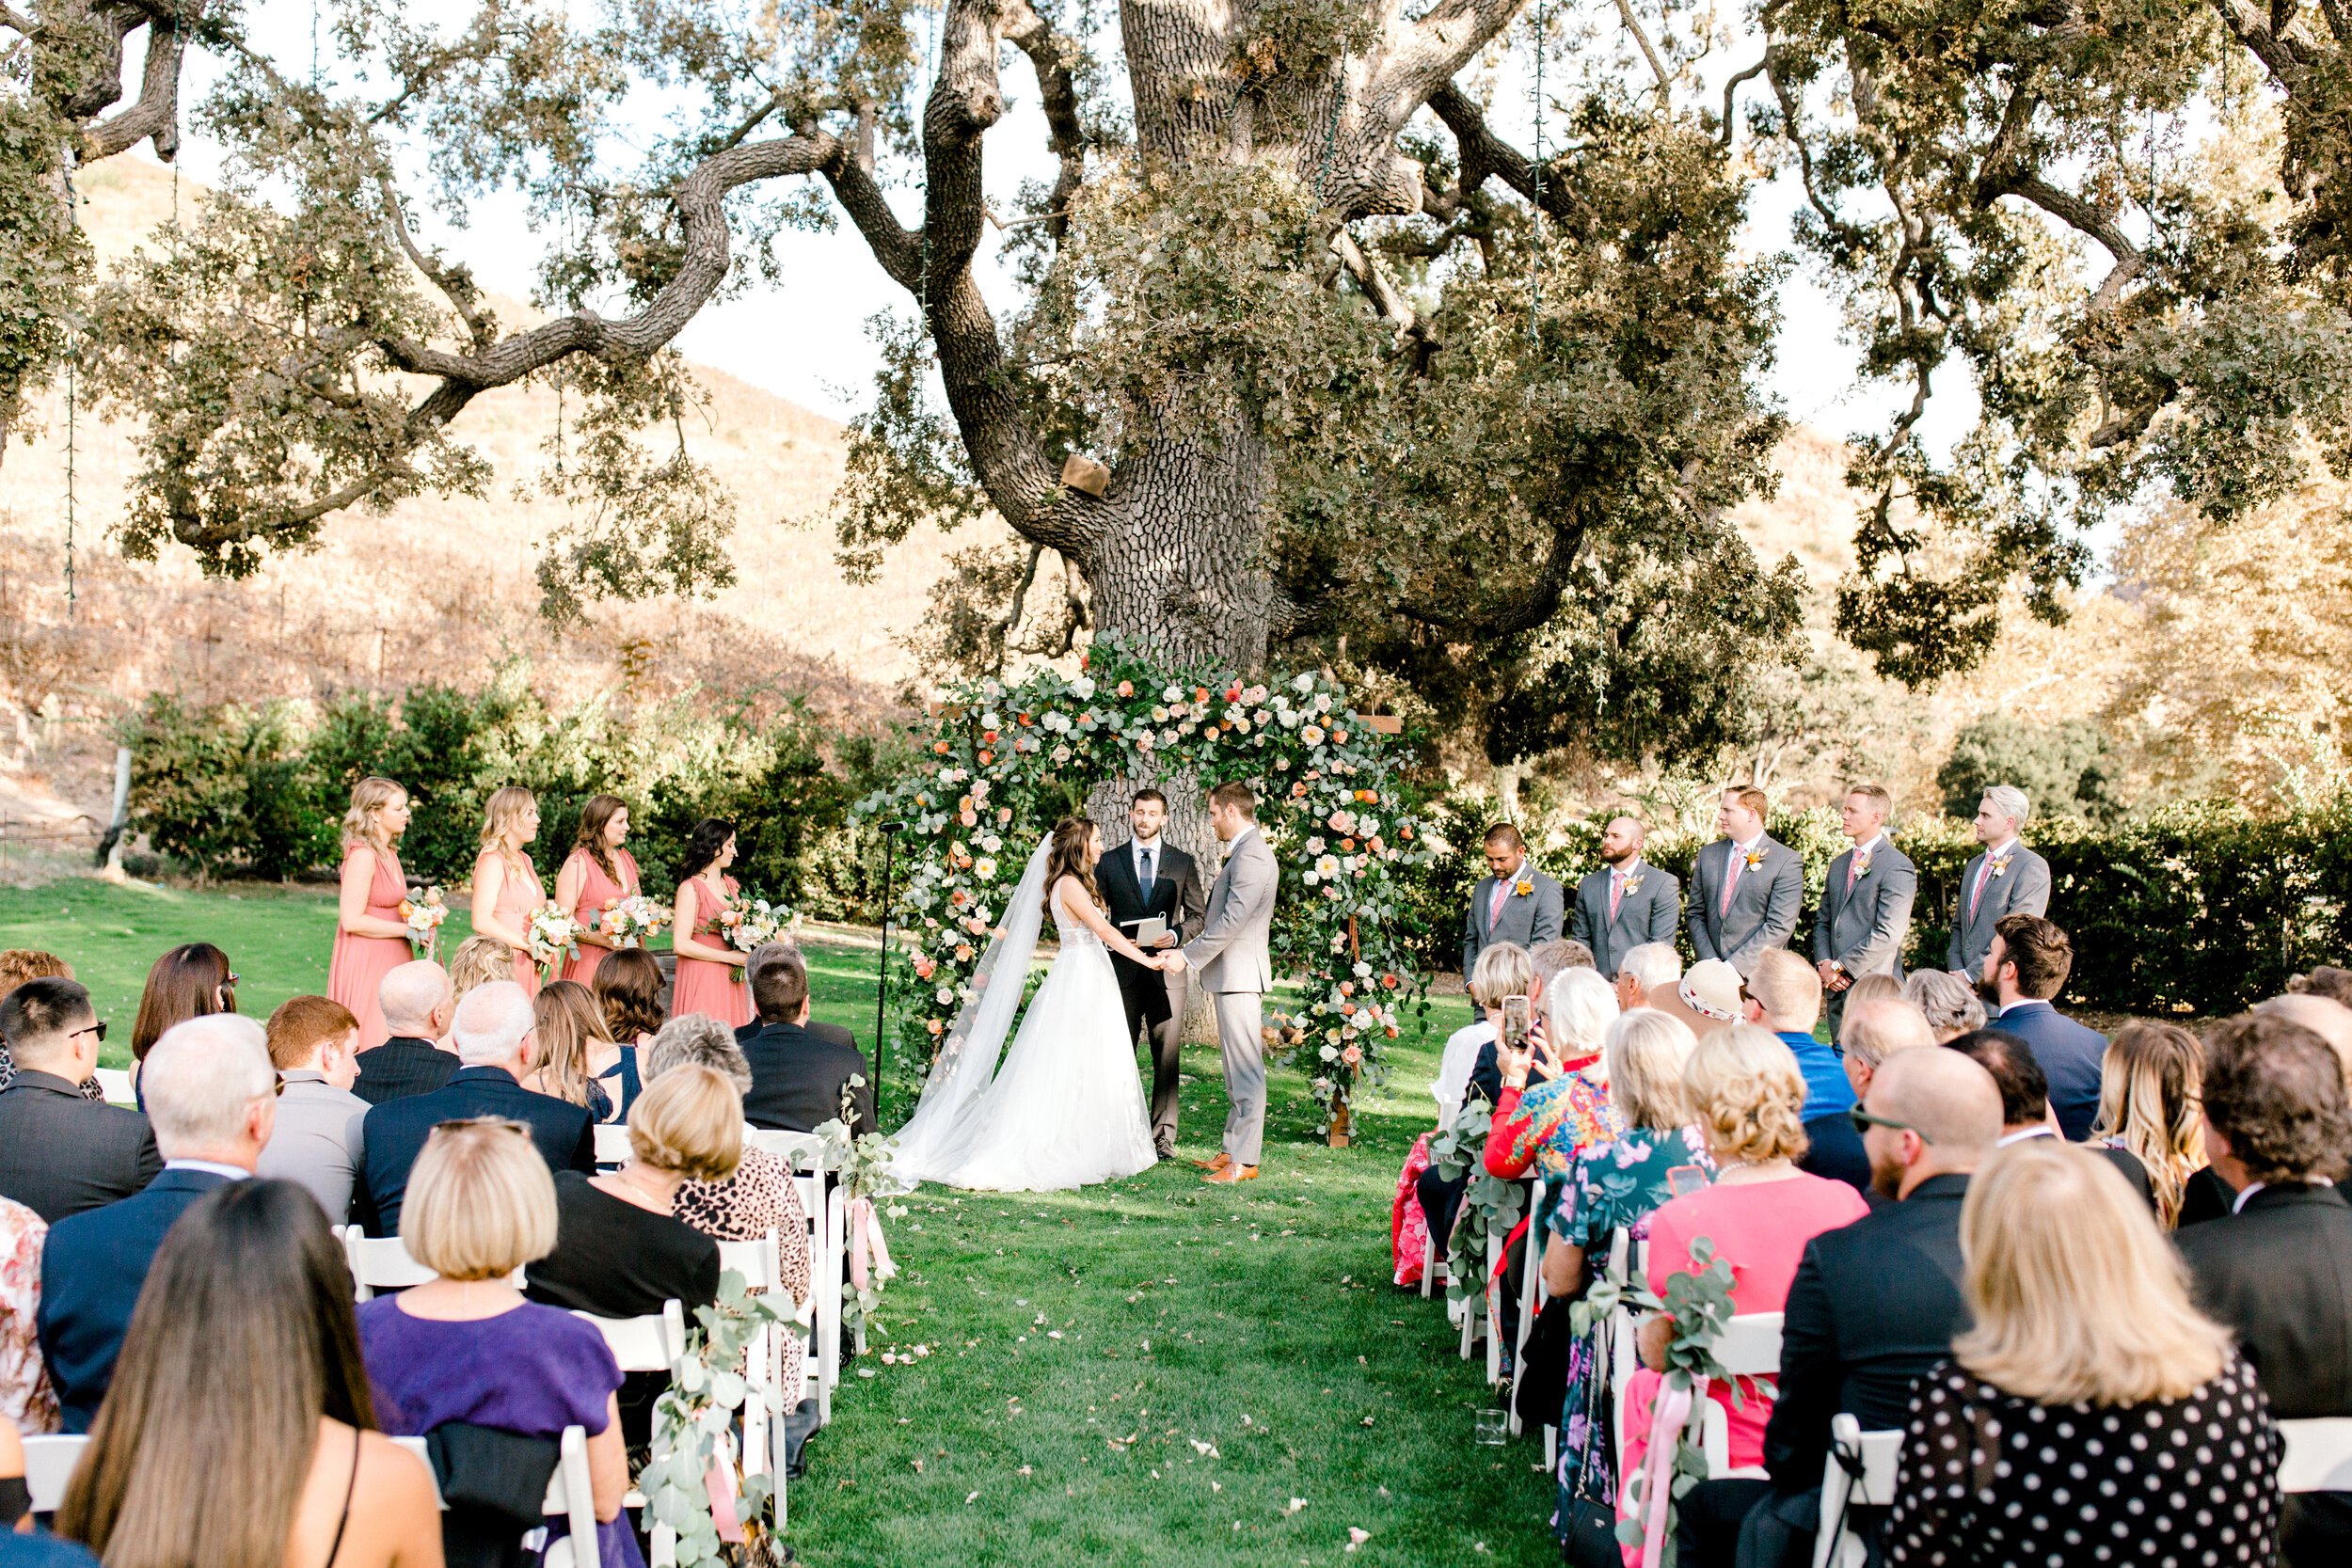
x=466 y=1346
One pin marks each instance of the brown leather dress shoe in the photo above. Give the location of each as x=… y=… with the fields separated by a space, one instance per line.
x=1218 y=1164
x=1231 y=1174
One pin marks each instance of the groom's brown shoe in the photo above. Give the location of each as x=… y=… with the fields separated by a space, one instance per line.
x=1218 y=1164
x=1231 y=1174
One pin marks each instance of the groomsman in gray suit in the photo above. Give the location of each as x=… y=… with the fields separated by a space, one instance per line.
x=1747 y=888
x=1865 y=902
x=1515 y=902
x=1234 y=955
x=2005 y=878
x=1627 y=902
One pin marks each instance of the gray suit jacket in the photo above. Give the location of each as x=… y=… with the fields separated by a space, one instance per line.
x=1646 y=912
x=1863 y=929
x=1765 y=902
x=2022 y=887
x=1233 y=951
x=318 y=1142
x=1527 y=918
x=61 y=1154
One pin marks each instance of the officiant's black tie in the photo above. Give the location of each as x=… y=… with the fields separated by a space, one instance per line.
x=1148 y=880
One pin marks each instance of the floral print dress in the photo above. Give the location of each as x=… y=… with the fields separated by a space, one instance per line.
x=1612 y=1185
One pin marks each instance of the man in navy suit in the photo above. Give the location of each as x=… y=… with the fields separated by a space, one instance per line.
x=493 y=1029
x=1627 y=903
x=2027 y=965
x=212 y=1099
x=1746 y=888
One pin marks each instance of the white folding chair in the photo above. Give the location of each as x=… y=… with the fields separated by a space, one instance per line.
x=49 y=1463
x=612 y=1142
x=1749 y=1347
x=761 y=1263
x=1433 y=1269
x=800 y=1152
x=1633 y=1263
x=828 y=1262
x=571 y=1495
x=379 y=1263
x=1873 y=1457
x=415 y=1446
x=2319 y=1457
x=1531 y=1294
x=116 y=1084
x=651 y=1343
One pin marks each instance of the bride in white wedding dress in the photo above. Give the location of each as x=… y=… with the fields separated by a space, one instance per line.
x=1066 y=1108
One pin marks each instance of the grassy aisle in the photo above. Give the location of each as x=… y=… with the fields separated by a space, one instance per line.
x=1148 y=1372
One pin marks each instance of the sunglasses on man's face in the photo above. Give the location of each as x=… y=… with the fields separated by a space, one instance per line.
x=98 y=1028
x=1862 y=1121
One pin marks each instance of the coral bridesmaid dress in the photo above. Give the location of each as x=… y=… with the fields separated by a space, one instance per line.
x=356 y=971
x=704 y=986
x=595 y=889
x=517 y=897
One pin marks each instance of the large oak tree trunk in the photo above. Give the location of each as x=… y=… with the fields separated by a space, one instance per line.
x=1178 y=569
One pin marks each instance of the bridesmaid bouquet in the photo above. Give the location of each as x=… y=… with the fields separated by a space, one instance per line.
x=755 y=922
x=632 y=922
x=423 y=912
x=553 y=934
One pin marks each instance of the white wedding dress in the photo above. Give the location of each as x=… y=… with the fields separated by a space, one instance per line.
x=1066 y=1108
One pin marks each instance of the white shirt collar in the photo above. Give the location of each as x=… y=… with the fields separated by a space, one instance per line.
x=2252 y=1187
x=1871 y=843
x=2021 y=1135
x=1246 y=828
x=235 y=1173
x=1749 y=847
x=1627 y=869
x=1138 y=847
x=1995 y=852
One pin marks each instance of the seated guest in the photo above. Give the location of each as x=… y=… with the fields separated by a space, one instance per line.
x=28 y=1404
x=1784 y=994
x=799 y=1079
x=494 y=1046
x=2278 y=1271
x=1707 y=997
x=466 y=1347
x=1877 y=1025
x=2084 y=1363
x=2324 y=980
x=193 y=980
x=627 y=989
x=620 y=1249
x=2148 y=1108
x=1646 y=972
x=18 y=965
x=60 y=1153
x=785 y=952
x=478 y=961
x=418 y=1007
x=2331 y=1020
x=213 y=1100
x=241 y=1430
x=2028 y=963
x=1950 y=1002
x=1559 y=955
x=1554 y=1101
x=1872 y=1309
x=314 y=1044
x=1504 y=970
x=760 y=1197
x=2026 y=1101
x=1759 y=1212
x=578 y=1060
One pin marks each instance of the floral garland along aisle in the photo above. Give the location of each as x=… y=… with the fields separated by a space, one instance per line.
x=1328 y=803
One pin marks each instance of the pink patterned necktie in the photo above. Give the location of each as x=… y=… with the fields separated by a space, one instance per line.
x=1616 y=891
x=1494 y=905
x=1984 y=875
x=1731 y=883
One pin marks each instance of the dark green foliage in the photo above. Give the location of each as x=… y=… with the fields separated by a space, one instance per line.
x=221 y=789
x=2066 y=770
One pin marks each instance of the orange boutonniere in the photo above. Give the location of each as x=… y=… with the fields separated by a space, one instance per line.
x=1524 y=887
x=2000 y=867
x=1755 y=858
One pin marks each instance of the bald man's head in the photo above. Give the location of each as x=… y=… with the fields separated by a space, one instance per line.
x=415 y=999
x=1950 y=1114
x=1622 y=840
x=2331 y=1020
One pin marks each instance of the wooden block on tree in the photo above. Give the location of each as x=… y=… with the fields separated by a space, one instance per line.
x=1381 y=723
x=1081 y=472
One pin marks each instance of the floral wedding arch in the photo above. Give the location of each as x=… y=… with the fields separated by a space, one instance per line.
x=1005 y=759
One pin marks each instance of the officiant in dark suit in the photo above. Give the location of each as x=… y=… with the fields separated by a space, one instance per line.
x=1143 y=878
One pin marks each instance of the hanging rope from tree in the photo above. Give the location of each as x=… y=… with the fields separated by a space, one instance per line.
x=1535 y=267
x=72 y=353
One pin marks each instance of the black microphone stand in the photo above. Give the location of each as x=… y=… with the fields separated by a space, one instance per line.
x=890 y=832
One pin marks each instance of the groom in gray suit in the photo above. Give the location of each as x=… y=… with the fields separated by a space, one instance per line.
x=1746 y=888
x=1233 y=954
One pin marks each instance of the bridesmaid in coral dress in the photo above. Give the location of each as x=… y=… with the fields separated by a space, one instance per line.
x=371 y=939
x=596 y=872
x=709 y=973
x=506 y=886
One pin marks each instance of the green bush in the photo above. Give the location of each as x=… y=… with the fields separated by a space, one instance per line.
x=2066 y=770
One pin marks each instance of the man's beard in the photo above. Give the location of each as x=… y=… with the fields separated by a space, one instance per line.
x=1989 y=992
x=1887 y=1179
x=1619 y=858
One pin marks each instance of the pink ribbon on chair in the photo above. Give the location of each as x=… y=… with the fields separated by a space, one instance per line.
x=720 y=1482
x=1669 y=1413
x=865 y=1235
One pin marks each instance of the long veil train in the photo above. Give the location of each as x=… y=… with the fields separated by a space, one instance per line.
x=968 y=1051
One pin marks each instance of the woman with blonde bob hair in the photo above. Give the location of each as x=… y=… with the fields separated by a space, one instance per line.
x=1747 y=1096
x=465 y=1346
x=371 y=936
x=506 y=885
x=2089 y=1401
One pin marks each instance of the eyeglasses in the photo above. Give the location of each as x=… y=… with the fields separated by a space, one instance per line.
x=1862 y=1121
x=98 y=1028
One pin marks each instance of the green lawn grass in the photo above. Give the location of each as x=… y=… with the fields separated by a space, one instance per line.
x=1145 y=1372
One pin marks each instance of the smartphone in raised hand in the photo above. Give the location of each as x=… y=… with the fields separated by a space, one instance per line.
x=1514 y=1023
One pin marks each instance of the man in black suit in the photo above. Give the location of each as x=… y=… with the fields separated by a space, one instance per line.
x=2025 y=1099
x=774 y=951
x=212 y=1096
x=2276 y=1271
x=494 y=1046
x=1143 y=878
x=797 y=1077
x=1873 y=1307
x=2025 y=968
x=417 y=1005
x=60 y=1153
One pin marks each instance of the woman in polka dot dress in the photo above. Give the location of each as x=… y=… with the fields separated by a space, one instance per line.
x=2091 y=1416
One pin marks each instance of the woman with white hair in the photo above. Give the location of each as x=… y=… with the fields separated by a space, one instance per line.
x=1555 y=1087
